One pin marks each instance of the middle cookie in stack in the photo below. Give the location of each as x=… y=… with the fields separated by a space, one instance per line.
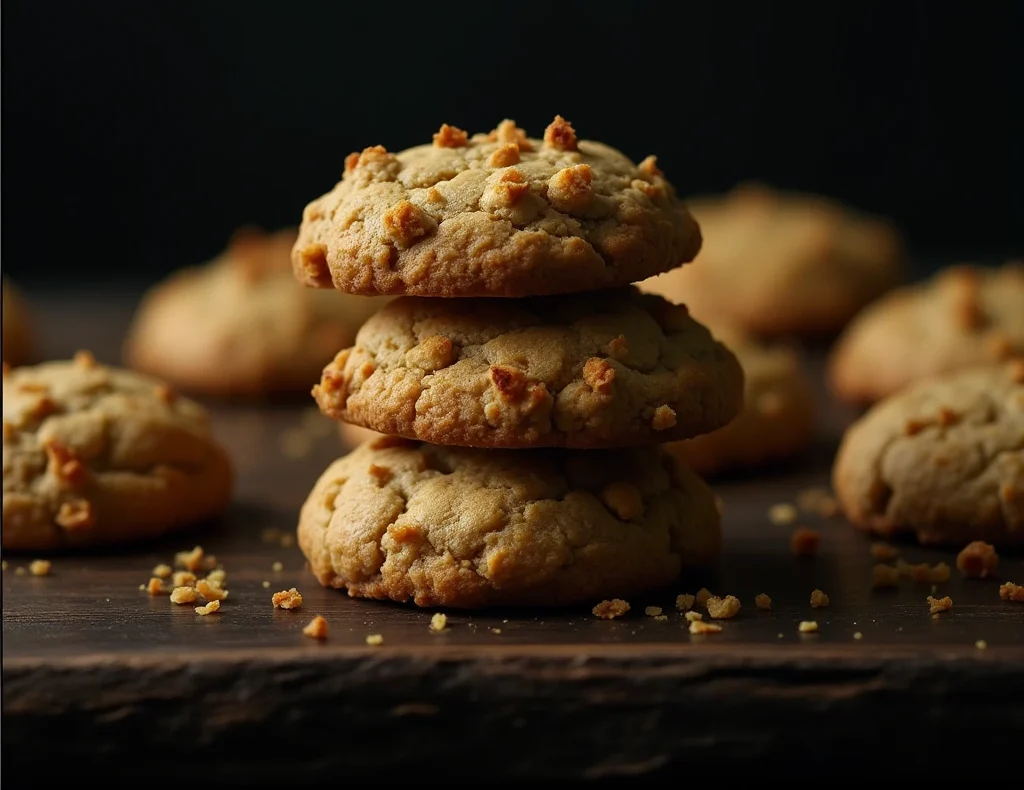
x=519 y=464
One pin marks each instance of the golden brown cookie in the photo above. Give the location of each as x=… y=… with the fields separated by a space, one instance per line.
x=496 y=214
x=776 y=263
x=606 y=369
x=943 y=458
x=778 y=418
x=241 y=325
x=95 y=455
x=18 y=339
x=465 y=528
x=961 y=317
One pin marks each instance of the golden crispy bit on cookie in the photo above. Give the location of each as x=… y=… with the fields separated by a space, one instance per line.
x=406 y=223
x=570 y=189
x=450 y=137
x=381 y=474
x=723 y=608
x=510 y=382
x=936 y=605
x=617 y=347
x=316 y=628
x=433 y=353
x=649 y=165
x=506 y=189
x=375 y=160
x=508 y=132
x=287 y=599
x=560 y=134
x=76 y=514
x=664 y=418
x=504 y=156
x=63 y=464
x=609 y=610
x=624 y=500
x=1012 y=592
x=599 y=375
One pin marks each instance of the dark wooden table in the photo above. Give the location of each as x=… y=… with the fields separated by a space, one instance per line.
x=98 y=672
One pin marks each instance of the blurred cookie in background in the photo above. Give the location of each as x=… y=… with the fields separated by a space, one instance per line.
x=19 y=337
x=961 y=317
x=776 y=263
x=241 y=325
x=778 y=420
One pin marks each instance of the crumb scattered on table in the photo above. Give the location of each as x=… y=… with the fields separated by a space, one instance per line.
x=652 y=611
x=40 y=567
x=723 y=608
x=191 y=560
x=316 y=628
x=211 y=592
x=287 y=599
x=981 y=644
x=685 y=601
x=885 y=576
x=703 y=594
x=277 y=567
x=818 y=599
x=438 y=622
x=691 y=616
x=266 y=585
x=804 y=541
x=217 y=576
x=183 y=579
x=936 y=605
x=608 y=610
x=210 y=608
x=182 y=595
x=1011 y=592
x=700 y=627
x=782 y=513
x=977 y=560
x=374 y=639
x=155 y=587
x=162 y=571
x=808 y=627
x=884 y=552
x=858 y=635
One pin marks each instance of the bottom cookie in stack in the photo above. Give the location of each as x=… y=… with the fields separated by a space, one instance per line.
x=466 y=528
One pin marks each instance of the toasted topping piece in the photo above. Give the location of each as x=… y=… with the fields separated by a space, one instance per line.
x=570 y=189
x=450 y=137
x=406 y=223
x=560 y=135
x=664 y=418
x=508 y=132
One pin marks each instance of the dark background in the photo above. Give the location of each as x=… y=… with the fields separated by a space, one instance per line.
x=137 y=136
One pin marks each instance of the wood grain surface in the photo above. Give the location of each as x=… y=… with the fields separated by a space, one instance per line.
x=99 y=674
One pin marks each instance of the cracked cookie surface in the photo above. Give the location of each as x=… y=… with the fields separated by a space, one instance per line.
x=778 y=417
x=241 y=325
x=943 y=459
x=612 y=368
x=461 y=527
x=959 y=318
x=496 y=214
x=776 y=262
x=96 y=455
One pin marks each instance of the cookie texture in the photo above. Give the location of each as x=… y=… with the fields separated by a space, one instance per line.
x=461 y=527
x=778 y=263
x=778 y=417
x=96 y=455
x=943 y=459
x=18 y=335
x=961 y=317
x=497 y=214
x=240 y=325
x=606 y=369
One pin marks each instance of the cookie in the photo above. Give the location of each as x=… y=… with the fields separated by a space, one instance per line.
x=18 y=335
x=496 y=214
x=612 y=368
x=961 y=317
x=777 y=263
x=95 y=455
x=943 y=459
x=240 y=325
x=465 y=528
x=778 y=418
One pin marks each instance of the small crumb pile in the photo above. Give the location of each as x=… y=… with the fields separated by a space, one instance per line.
x=185 y=586
x=287 y=599
x=609 y=610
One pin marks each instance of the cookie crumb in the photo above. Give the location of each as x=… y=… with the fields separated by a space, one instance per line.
x=374 y=639
x=977 y=560
x=664 y=418
x=192 y=560
x=316 y=628
x=217 y=576
x=560 y=134
x=182 y=595
x=703 y=594
x=885 y=576
x=884 y=552
x=608 y=610
x=504 y=156
x=858 y=635
x=762 y=601
x=808 y=627
x=691 y=616
x=936 y=605
x=40 y=567
x=277 y=567
x=782 y=513
x=685 y=601
x=155 y=587
x=1011 y=592
x=450 y=137
x=210 y=608
x=209 y=591
x=723 y=608
x=287 y=599
x=805 y=542
x=438 y=622
x=266 y=585
x=700 y=627
x=652 y=611
x=981 y=644
x=183 y=579
x=818 y=599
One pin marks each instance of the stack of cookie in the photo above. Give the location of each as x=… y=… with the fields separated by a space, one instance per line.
x=520 y=381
